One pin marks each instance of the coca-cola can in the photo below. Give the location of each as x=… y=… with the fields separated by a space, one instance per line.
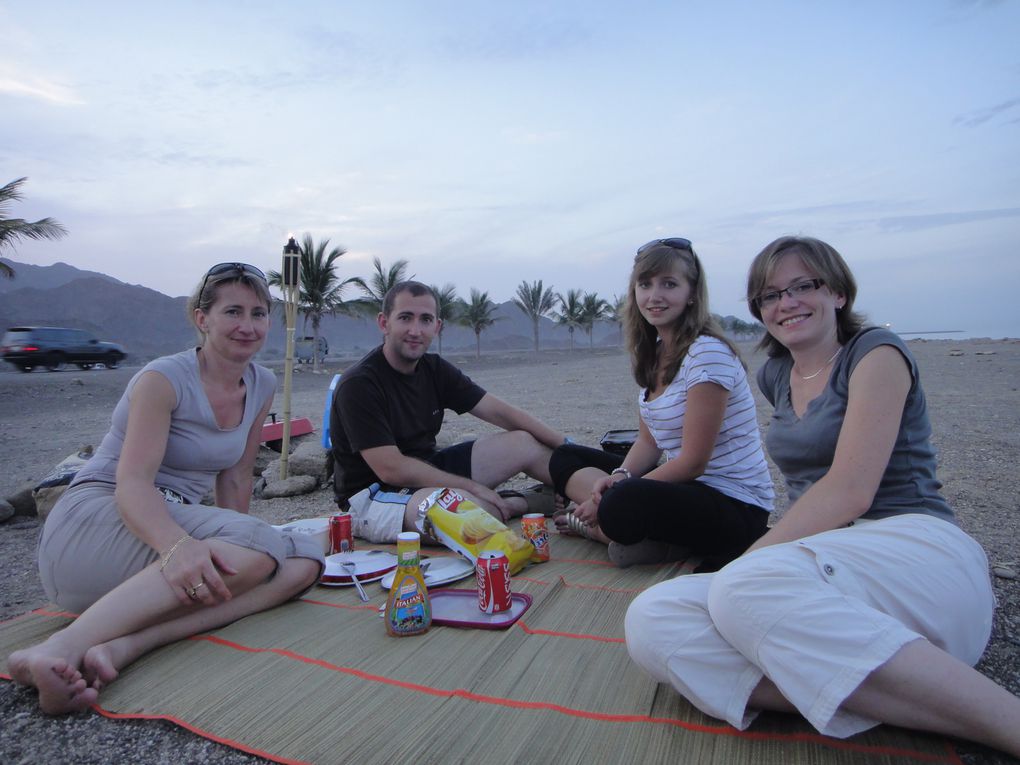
x=492 y=573
x=341 y=534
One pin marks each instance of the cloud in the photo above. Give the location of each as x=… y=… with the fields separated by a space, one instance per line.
x=38 y=88
x=981 y=116
x=938 y=220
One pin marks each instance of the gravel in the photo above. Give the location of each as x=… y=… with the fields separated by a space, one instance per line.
x=973 y=390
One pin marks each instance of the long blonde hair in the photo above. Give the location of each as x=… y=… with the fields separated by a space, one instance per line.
x=649 y=363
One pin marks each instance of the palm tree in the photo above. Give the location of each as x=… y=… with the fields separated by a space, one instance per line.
x=535 y=302
x=616 y=312
x=593 y=309
x=378 y=285
x=570 y=314
x=321 y=291
x=447 y=308
x=13 y=229
x=478 y=315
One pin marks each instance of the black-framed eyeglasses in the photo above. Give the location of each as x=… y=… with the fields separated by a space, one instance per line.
x=225 y=268
x=796 y=290
x=675 y=243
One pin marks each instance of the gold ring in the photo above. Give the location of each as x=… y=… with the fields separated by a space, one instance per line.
x=191 y=593
x=200 y=584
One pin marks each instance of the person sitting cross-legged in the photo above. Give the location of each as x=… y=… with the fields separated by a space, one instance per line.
x=388 y=410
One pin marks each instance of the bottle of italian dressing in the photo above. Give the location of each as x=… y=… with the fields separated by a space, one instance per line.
x=408 y=611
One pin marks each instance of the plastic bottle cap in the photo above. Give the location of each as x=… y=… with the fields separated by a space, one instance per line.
x=408 y=536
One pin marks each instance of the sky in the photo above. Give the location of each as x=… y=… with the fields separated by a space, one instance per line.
x=494 y=143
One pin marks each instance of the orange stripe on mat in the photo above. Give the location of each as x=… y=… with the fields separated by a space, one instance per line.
x=720 y=730
x=575 y=635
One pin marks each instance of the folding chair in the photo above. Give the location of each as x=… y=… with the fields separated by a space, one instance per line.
x=326 y=442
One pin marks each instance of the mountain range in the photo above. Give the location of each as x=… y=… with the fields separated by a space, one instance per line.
x=150 y=324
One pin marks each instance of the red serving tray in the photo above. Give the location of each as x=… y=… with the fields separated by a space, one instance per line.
x=459 y=608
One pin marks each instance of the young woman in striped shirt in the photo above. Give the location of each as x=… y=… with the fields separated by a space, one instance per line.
x=712 y=495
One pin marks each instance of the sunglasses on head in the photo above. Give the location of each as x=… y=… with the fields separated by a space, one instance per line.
x=231 y=268
x=675 y=243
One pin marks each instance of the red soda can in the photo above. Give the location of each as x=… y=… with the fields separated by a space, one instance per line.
x=341 y=534
x=492 y=573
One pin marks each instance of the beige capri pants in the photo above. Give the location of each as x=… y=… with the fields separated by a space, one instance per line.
x=815 y=616
x=85 y=549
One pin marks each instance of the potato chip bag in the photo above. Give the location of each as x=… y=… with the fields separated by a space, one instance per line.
x=460 y=524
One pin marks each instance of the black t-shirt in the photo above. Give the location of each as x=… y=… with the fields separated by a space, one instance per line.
x=375 y=405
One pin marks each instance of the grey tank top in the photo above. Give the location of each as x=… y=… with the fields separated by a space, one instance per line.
x=197 y=449
x=803 y=447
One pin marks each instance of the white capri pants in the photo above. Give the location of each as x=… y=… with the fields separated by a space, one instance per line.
x=815 y=616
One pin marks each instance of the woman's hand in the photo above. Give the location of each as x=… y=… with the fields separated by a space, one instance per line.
x=602 y=486
x=587 y=512
x=193 y=573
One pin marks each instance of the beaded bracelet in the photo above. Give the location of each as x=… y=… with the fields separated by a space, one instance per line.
x=165 y=557
x=622 y=471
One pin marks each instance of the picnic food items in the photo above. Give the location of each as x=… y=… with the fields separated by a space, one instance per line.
x=408 y=611
x=492 y=573
x=341 y=536
x=464 y=527
x=535 y=531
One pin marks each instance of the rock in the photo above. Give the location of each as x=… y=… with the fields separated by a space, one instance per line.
x=290 y=487
x=1004 y=572
x=23 y=501
x=308 y=459
x=956 y=353
x=6 y=510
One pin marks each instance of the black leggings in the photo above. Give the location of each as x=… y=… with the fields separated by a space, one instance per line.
x=690 y=514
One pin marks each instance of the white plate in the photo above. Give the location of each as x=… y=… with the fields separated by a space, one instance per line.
x=369 y=566
x=314 y=527
x=438 y=572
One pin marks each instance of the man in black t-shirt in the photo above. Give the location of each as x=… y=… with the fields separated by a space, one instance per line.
x=388 y=410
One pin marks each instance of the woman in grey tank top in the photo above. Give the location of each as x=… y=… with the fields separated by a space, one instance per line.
x=865 y=603
x=129 y=545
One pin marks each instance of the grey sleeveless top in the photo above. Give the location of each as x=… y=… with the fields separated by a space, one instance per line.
x=803 y=447
x=197 y=448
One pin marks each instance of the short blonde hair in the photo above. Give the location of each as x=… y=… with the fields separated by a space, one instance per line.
x=825 y=263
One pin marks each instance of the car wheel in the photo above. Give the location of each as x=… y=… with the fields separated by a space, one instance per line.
x=56 y=363
x=85 y=365
x=112 y=361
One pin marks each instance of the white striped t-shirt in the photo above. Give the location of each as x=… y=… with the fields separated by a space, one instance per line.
x=737 y=466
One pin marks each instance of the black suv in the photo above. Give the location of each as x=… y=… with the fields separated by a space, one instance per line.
x=52 y=347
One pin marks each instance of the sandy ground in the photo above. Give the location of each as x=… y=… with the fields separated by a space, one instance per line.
x=973 y=390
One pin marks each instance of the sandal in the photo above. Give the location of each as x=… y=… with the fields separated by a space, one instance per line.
x=575 y=526
x=539 y=498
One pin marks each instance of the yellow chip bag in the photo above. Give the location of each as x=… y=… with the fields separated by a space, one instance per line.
x=460 y=524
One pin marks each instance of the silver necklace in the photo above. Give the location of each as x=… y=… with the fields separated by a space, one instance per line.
x=832 y=359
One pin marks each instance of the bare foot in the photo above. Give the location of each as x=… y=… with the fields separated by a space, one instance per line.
x=102 y=664
x=61 y=687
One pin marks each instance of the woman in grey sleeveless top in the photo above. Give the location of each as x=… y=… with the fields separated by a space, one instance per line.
x=865 y=603
x=129 y=546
